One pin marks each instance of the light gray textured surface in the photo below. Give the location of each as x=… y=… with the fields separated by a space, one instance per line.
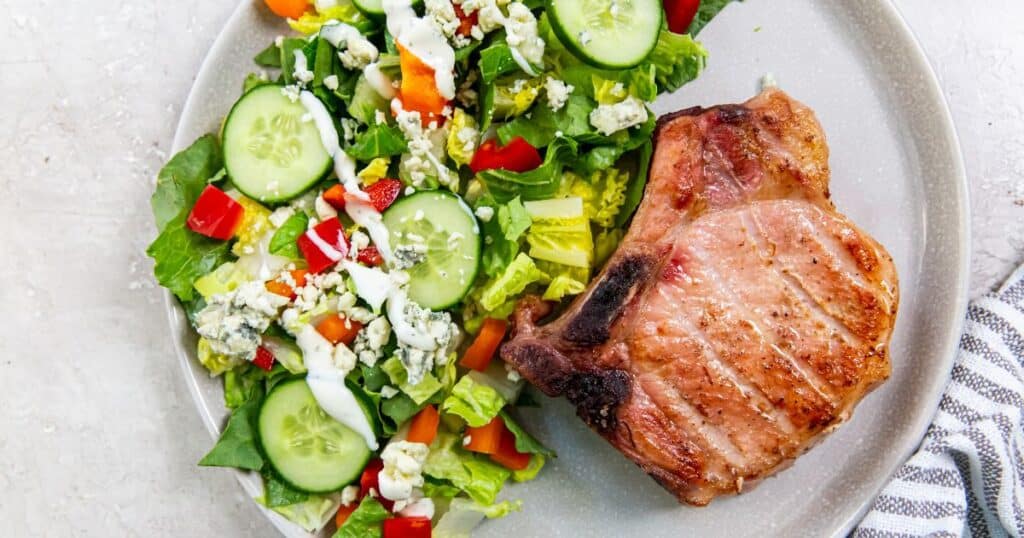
x=100 y=437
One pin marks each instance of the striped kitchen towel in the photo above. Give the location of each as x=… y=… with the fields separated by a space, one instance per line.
x=967 y=479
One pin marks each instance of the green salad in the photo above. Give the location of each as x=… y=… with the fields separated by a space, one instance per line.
x=349 y=247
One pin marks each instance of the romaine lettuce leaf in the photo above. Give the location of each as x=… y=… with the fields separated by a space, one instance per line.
x=464 y=515
x=380 y=140
x=532 y=469
x=708 y=10
x=183 y=178
x=513 y=280
x=603 y=194
x=399 y=377
x=283 y=243
x=345 y=11
x=567 y=241
x=182 y=256
x=311 y=514
x=677 y=59
x=476 y=403
x=365 y=522
x=543 y=125
x=480 y=478
x=277 y=493
x=216 y=363
x=537 y=184
x=525 y=442
x=238 y=445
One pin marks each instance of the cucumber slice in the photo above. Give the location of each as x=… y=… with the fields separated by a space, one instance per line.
x=443 y=227
x=610 y=34
x=375 y=8
x=308 y=449
x=270 y=153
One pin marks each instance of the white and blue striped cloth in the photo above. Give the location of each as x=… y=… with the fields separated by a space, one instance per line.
x=967 y=479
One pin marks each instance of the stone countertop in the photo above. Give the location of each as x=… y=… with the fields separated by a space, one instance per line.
x=89 y=115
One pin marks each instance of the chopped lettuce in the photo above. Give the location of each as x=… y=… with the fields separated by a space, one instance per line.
x=525 y=442
x=514 y=96
x=677 y=59
x=464 y=515
x=182 y=255
x=532 y=469
x=183 y=178
x=223 y=279
x=420 y=392
x=216 y=363
x=238 y=445
x=544 y=125
x=567 y=241
x=603 y=194
x=496 y=60
x=380 y=140
x=476 y=403
x=344 y=11
x=283 y=242
x=480 y=478
x=278 y=493
x=562 y=286
x=286 y=353
x=538 y=184
x=311 y=514
x=708 y=10
x=605 y=244
x=463 y=126
x=513 y=280
x=365 y=522
x=254 y=226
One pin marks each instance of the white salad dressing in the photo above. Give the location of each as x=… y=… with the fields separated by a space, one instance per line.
x=523 y=64
x=422 y=38
x=327 y=382
x=339 y=34
x=372 y=285
x=377 y=80
x=328 y=249
x=360 y=210
x=406 y=332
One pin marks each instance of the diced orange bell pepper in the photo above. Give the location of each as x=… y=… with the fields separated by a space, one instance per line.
x=338 y=330
x=480 y=353
x=487 y=438
x=419 y=87
x=423 y=428
x=507 y=455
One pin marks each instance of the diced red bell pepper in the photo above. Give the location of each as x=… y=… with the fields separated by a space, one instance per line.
x=335 y=196
x=517 y=156
x=507 y=455
x=215 y=214
x=407 y=527
x=324 y=245
x=370 y=256
x=466 y=22
x=384 y=193
x=680 y=13
x=264 y=359
x=370 y=481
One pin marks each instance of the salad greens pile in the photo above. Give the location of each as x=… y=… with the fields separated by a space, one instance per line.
x=350 y=245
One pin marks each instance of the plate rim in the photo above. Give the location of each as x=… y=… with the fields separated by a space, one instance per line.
x=955 y=318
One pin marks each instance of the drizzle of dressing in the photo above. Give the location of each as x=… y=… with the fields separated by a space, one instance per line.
x=421 y=38
x=523 y=64
x=328 y=249
x=338 y=33
x=358 y=207
x=406 y=332
x=372 y=285
x=327 y=382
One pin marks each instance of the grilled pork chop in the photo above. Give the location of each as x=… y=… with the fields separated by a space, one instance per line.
x=742 y=317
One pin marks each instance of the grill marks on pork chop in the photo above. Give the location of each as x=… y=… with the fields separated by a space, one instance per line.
x=740 y=319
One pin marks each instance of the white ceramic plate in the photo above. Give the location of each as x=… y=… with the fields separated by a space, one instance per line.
x=897 y=172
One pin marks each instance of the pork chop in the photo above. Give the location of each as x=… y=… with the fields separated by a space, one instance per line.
x=740 y=320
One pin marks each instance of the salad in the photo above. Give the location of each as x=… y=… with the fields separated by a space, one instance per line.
x=350 y=245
